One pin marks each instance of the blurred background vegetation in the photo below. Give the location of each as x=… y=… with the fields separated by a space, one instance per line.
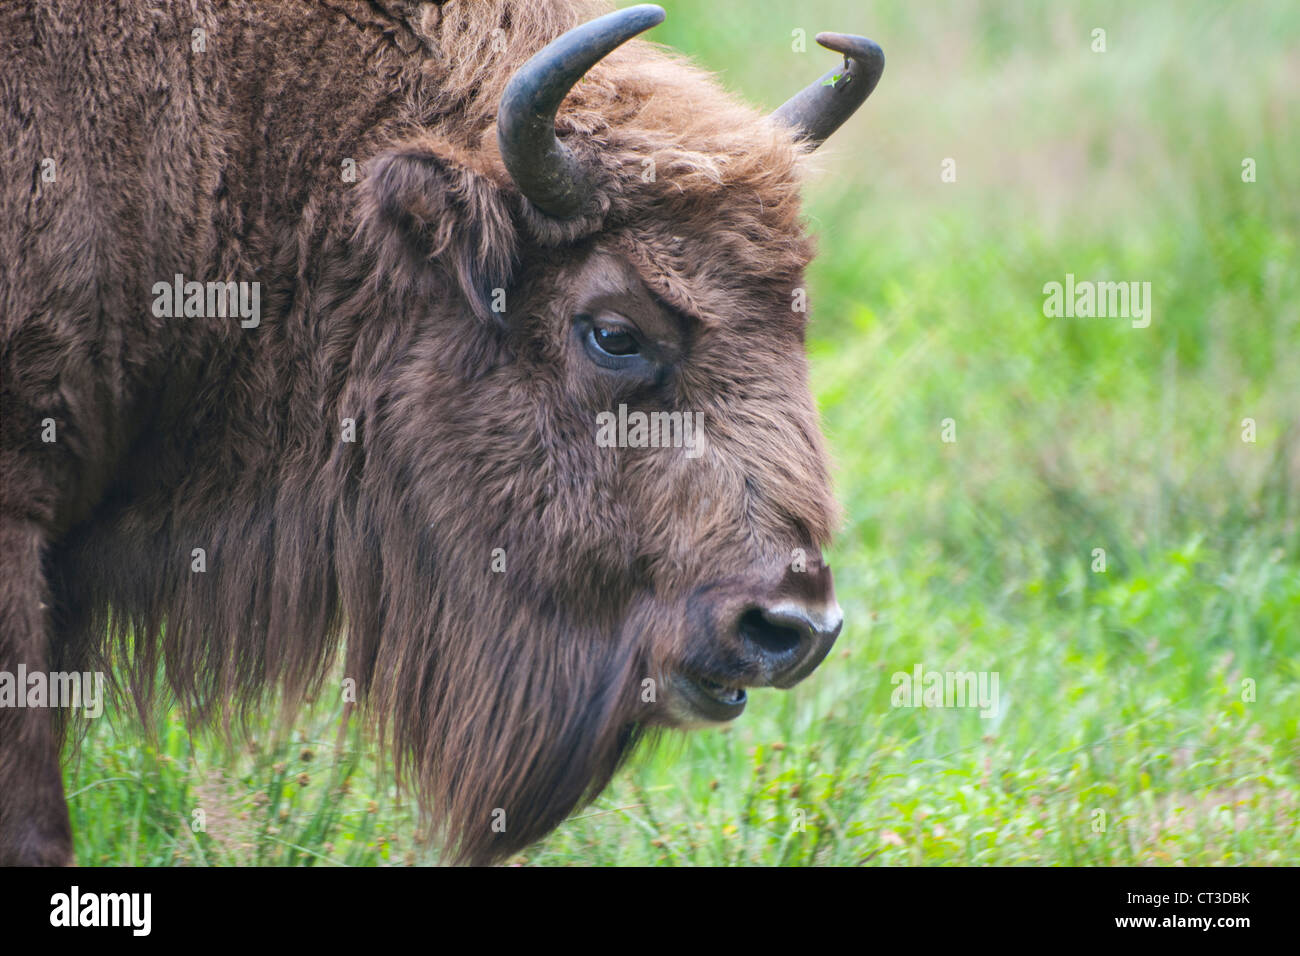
x=1122 y=690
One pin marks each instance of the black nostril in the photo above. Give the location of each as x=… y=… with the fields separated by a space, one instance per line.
x=773 y=639
x=788 y=640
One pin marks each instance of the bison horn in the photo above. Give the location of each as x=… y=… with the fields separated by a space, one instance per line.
x=816 y=112
x=544 y=169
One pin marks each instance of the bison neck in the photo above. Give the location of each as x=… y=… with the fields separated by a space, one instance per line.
x=217 y=453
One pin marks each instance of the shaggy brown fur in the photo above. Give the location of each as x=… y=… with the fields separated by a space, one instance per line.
x=518 y=690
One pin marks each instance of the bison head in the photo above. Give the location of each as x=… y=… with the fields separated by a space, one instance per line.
x=563 y=579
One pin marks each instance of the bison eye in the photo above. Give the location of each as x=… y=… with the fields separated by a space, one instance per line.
x=612 y=343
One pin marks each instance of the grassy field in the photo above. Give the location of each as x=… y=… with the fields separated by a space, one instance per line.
x=1149 y=713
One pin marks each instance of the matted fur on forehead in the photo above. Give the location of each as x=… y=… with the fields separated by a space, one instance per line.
x=702 y=190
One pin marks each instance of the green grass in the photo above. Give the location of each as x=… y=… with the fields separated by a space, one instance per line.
x=1126 y=734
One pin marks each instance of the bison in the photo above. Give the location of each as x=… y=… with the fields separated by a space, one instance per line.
x=312 y=316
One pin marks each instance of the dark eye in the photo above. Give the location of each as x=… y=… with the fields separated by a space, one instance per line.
x=614 y=341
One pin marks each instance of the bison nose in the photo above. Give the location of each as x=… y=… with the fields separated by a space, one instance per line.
x=789 y=640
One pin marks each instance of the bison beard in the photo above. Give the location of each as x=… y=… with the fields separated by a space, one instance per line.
x=217 y=157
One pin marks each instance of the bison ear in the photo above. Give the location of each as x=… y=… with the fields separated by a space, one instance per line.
x=423 y=206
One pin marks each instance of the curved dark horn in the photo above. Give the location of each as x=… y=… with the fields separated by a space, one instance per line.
x=543 y=168
x=822 y=108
